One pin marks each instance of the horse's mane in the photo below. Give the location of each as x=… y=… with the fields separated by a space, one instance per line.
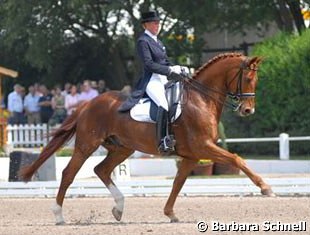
x=215 y=59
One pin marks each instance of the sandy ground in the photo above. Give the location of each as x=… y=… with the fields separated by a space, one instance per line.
x=143 y=215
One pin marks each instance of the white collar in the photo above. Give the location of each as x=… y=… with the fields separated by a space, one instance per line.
x=151 y=35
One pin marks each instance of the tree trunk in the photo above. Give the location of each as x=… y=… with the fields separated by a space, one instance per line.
x=285 y=21
x=294 y=6
x=117 y=70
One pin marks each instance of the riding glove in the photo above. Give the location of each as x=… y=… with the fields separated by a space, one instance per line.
x=178 y=72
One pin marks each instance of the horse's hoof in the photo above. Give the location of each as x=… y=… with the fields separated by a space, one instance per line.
x=117 y=214
x=174 y=220
x=268 y=192
x=61 y=223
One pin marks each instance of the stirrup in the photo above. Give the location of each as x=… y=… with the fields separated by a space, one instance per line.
x=166 y=145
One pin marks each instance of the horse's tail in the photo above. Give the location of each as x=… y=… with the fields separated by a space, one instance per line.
x=59 y=137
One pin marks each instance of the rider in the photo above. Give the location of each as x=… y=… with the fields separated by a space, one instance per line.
x=156 y=69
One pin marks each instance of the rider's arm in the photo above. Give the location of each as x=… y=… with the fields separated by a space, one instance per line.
x=149 y=63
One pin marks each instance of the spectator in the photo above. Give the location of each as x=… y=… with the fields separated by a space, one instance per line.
x=67 y=89
x=37 y=89
x=72 y=100
x=126 y=90
x=102 y=87
x=31 y=105
x=23 y=92
x=58 y=104
x=45 y=103
x=94 y=85
x=87 y=93
x=15 y=106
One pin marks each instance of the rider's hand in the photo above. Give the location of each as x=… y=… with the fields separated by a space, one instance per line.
x=176 y=69
x=185 y=70
x=178 y=72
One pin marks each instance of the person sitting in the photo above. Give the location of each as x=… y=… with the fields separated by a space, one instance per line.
x=156 y=69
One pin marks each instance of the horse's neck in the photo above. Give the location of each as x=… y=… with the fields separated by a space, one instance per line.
x=211 y=97
x=203 y=106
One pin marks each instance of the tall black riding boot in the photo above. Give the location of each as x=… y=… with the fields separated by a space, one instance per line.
x=166 y=142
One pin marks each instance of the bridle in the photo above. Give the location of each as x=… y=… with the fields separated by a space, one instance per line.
x=235 y=97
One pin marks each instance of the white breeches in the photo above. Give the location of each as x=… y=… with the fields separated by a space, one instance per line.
x=156 y=90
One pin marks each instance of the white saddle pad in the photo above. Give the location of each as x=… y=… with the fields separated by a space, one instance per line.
x=141 y=111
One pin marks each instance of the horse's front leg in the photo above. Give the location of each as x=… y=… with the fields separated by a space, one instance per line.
x=185 y=168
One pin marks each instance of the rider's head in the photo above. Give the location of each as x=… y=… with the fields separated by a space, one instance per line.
x=151 y=21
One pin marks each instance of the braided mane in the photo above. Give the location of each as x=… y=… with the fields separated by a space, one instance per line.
x=215 y=59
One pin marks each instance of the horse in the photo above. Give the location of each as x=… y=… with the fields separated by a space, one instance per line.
x=98 y=122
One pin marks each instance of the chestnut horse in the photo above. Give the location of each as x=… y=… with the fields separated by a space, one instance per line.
x=98 y=122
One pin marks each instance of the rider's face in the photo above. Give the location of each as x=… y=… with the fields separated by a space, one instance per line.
x=153 y=27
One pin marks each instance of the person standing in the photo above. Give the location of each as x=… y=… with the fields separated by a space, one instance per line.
x=31 y=105
x=45 y=103
x=67 y=89
x=102 y=86
x=72 y=100
x=15 y=106
x=58 y=105
x=88 y=93
x=156 y=69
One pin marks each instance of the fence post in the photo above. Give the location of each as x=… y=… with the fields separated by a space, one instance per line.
x=284 y=146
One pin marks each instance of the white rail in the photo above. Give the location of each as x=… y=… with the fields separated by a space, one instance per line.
x=27 y=135
x=207 y=187
x=283 y=139
x=35 y=136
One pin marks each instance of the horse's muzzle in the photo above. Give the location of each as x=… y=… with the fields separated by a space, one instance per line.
x=246 y=111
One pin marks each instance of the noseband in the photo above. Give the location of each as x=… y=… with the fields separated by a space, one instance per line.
x=235 y=97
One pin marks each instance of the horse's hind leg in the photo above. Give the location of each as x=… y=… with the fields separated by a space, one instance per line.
x=185 y=168
x=104 y=169
x=68 y=175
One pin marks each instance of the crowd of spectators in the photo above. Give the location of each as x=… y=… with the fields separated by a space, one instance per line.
x=41 y=105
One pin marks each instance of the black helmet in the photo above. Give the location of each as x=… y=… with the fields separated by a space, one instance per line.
x=149 y=16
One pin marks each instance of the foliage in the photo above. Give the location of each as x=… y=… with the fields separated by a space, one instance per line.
x=59 y=41
x=286 y=87
x=283 y=93
x=64 y=152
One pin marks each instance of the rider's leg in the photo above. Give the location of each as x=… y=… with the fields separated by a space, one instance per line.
x=156 y=91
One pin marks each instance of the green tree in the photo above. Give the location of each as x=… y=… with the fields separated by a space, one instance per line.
x=282 y=95
x=84 y=39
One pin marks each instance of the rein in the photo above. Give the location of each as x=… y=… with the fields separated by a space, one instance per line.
x=235 y=97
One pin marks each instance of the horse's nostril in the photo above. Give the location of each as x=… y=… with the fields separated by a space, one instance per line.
x=247 y=111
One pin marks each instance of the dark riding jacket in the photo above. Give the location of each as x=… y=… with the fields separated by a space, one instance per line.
x=155 y=60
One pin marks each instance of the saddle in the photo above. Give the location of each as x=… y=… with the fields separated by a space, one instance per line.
x=146 y=109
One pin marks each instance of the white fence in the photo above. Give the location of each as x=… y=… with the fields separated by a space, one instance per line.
x=27 y=135
x=207 y=187
x=36 y=136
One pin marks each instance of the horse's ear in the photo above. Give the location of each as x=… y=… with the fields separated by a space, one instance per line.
x=259 y=59
x=256 y=60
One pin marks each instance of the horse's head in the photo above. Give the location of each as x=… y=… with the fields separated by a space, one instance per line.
x=242 y=84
